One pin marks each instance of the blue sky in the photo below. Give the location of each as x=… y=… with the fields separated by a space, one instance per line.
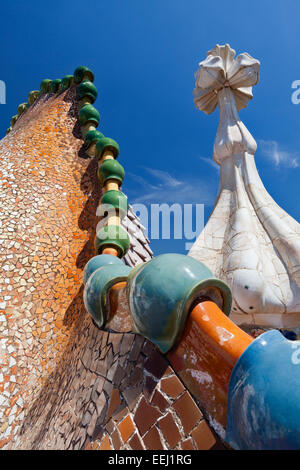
x=144 y=55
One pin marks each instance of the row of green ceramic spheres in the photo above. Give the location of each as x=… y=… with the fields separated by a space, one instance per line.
x=58 y=85
x=114 y=236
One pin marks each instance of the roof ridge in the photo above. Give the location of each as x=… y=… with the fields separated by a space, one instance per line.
x=114 y=236
x=55 y=86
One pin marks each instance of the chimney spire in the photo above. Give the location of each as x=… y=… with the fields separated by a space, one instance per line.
x=248 y=241
x=227 y=82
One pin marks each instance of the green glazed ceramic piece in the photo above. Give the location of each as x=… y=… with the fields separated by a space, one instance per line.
x=22 y=107
x=33 y=96
x=45 y=85
x=82 y=72
x=114 y=199
x=66 y=82
x=8 y=130
x=107 y=144
x=96 y=289
x=14 y=120
x=87 y=89
x=112 y=236
x=111 y=169
x=97 y=262
x=89 y=114
x=161 y=292
x=55 y=85
x=92 y=136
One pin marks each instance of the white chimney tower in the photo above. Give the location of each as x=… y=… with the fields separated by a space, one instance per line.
x=248 y=241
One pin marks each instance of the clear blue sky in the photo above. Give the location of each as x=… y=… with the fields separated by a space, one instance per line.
x=144 y=55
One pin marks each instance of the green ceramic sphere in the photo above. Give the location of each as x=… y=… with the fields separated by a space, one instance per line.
x=82 y=71
x=107 y=144
x=55 y=85
x=92 y=136
x=14 y=120
x=97 y=287
x=115 y=200
x=111 y=169
x=89 y=114
x=66 y=82
x=33 y=96
x=97 y=262
x=45 y=84
x=162 y=292
x=87 y=89
x=22 y=107
x=112 y=236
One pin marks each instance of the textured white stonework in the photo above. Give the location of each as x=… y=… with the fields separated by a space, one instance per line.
x=248 y=241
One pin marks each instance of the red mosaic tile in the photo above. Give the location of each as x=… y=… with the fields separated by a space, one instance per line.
x=187 y=411
x=172 y=386
x=187 y=444
x=152 y=440
x=135 y=443
x=203 y=437
x=126 y=428
x=159 y=401
x=170 y=430
x=156 y=364
x=145 y=416
x=105 y=444
x=114 y=402
x=117 y=443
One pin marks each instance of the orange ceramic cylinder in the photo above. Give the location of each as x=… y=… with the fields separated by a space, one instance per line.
x=110 y=251
x=205 y=357
x=225 y=334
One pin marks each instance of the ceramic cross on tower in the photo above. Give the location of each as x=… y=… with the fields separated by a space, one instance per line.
x=227 y=81
x=248 y=241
